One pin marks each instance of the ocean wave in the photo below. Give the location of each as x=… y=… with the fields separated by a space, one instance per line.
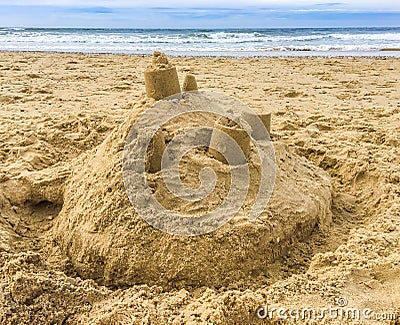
x=370 y=37
x=192 y=41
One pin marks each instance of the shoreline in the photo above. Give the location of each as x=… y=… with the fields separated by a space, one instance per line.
x=381 y=54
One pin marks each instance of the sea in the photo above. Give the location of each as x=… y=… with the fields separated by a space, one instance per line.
x=208 y=42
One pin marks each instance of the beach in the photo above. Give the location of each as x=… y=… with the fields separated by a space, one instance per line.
x=341 y=114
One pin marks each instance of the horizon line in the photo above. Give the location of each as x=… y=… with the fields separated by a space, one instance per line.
x=199 y=28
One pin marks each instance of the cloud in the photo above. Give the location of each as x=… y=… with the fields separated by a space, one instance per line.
x=177 y=14
x=388 y=5
x=91 y=10
x=330 y=4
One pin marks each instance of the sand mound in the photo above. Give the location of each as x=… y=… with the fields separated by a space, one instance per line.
x=106 y=240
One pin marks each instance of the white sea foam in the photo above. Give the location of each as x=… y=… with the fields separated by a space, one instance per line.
x=221 y=42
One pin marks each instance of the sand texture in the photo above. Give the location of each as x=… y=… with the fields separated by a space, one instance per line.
x=74 y=251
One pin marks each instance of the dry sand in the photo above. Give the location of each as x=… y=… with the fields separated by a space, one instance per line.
x=342 y=115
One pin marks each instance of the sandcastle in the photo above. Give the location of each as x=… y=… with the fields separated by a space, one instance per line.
x=161 y=78
x=161 y=81
x=108 y=241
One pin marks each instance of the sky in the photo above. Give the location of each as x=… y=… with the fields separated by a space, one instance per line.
x=199 y=13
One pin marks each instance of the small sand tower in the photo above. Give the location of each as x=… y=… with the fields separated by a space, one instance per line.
x=265 y=118
x=235 y=132
x=161 y=78
x=155 y=152
x=190 y=83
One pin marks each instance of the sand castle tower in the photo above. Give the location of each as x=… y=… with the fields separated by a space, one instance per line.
x=107 y=240
x=161 y=78
x=190 y=83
